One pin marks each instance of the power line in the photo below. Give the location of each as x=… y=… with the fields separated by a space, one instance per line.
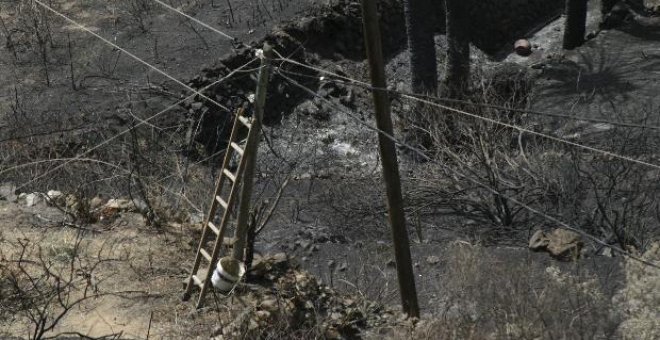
x=531 y=132
x=458 y=173
x=351 y=81
x=108 y=140
x=494 y=121
x=130 y=54
x=197 y=21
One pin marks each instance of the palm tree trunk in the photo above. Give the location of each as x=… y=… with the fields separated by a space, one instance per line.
x=457 y=76
x=419 y=29
x=575 y=26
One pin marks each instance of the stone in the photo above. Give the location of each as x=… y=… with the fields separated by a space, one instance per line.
x=270 y=305
x=432 y=259
x=565 y=244
x=539 y=241
x=120 y=204
x=607 y=252
x=262 y=315
x=278 y=258
x=308 y=108
x=54 y=194
x=562 y=244
x=71 y=202
x=523 y=47
x=96 y=202
x=33 y=199
x=8 y=192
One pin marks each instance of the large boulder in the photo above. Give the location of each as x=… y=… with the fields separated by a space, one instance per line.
x=562 y=244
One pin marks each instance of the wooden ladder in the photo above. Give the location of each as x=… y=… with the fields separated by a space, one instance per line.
x=226 y=176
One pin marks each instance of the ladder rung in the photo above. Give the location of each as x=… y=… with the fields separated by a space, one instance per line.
x=222 y=202
x=197 y=281
x=237 y=148
x=213 y=228
x=229 y=175
x=205 y=254
x=245 y=121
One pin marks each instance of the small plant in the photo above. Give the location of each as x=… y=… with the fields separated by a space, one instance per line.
x=42 y=285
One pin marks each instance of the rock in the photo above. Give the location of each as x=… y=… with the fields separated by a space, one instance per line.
x=539 y=241
x=96 y=202
x=32 y=199
x=562 y=244
x=262 y=315
x=343 y=149
x=308 y=108
x=278 y=258
x=140 y=205
x=607 y=252
x=565 y=244
x=8 y=192
x=304 y=244
x=270 y=305
x=120 y=204
x=54 y=195
x=432 y=259
x=71 y=202
x=523 y=47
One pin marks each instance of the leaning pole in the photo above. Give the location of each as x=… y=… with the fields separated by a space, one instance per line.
x=387 y=148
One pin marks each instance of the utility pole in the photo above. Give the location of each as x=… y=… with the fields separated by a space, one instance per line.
x=397 y=218
x=251 y=148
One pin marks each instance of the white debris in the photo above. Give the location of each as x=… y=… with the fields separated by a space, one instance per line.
x=121 y=204
x=32 y=199
x=54 y=194
x=343 y=149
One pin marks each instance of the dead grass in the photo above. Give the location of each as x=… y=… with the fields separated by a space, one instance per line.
x=492 y=299
x=639 y=301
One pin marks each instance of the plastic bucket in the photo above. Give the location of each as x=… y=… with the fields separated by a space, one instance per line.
x=227 y=274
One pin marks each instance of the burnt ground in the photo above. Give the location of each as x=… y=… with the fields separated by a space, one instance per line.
x=332 y=216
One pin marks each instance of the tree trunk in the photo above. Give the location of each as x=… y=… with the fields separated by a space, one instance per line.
x=419 y=29
x=458 y=48
x=575 y=26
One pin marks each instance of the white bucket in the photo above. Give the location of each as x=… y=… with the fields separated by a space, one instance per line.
x=227 y=274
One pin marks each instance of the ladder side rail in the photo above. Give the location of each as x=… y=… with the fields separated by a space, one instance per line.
x=212 y=209
x=223 y=226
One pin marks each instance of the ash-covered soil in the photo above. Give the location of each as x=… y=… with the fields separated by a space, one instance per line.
x=317 y=149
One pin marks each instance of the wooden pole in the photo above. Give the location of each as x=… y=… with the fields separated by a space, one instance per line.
x=397 y=218
x=251 y=148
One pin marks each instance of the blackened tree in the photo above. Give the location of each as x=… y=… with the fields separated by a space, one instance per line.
x=420 y=26
x=457 y=76
x=575 y=26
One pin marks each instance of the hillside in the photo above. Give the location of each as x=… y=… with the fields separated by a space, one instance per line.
x=107 y=165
